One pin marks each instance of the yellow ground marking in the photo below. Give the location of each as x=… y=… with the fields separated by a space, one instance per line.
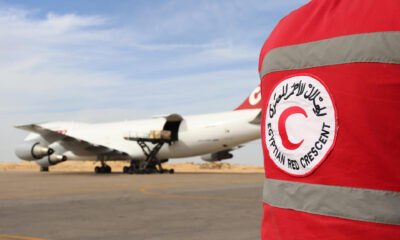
x=148 y=190
x=12 y=237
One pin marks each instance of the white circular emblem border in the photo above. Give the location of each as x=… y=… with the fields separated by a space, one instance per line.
x=304 y=100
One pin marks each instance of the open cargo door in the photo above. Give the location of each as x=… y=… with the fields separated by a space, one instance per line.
x=172 y=124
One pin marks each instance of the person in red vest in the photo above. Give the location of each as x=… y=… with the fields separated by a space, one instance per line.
x=330 y=81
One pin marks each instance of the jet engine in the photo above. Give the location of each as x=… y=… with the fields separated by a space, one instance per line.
x=52 y=159
x=29 y=151
x=218 y=156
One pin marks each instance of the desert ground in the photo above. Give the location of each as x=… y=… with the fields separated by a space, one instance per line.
x=117 y=167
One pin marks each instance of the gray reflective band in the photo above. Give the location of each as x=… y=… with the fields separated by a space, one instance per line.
x=344 y=202
x=380 y=47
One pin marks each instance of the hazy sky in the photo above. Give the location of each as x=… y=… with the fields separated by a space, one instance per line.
x=99 y=60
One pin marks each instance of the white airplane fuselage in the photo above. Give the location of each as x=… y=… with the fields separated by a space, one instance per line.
x=211 y=136
x=197 y=135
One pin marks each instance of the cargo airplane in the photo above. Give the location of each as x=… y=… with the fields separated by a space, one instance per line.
x=145 y=144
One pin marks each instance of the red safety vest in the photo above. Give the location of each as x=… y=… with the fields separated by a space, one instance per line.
x=330 y=80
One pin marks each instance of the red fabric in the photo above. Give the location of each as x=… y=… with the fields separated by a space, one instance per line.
x=319 y=20
x=367 y=147
x=282 y=224
x=367 y=100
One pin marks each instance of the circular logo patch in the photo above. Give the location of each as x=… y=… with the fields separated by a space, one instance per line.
x=300 y=124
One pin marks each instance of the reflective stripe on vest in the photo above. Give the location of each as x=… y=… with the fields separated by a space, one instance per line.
x=377 y=47
x=361 y=204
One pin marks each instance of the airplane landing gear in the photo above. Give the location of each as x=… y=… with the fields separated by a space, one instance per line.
x=131 y=169
x=148 y=170
x=44 y=169
x=142 y=168
x=104 y=167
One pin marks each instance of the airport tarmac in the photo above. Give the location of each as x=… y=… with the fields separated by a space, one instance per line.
x=83 y=205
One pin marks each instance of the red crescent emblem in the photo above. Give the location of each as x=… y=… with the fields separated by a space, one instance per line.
x=282 y=127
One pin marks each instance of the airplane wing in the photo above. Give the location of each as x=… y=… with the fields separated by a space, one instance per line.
x=54 y=135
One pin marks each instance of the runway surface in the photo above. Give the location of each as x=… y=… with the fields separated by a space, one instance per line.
x=71 y=205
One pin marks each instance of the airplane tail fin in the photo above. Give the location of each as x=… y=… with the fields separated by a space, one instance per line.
x=253 y=101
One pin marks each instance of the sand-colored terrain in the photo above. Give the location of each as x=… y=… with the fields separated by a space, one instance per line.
x=117 y=167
